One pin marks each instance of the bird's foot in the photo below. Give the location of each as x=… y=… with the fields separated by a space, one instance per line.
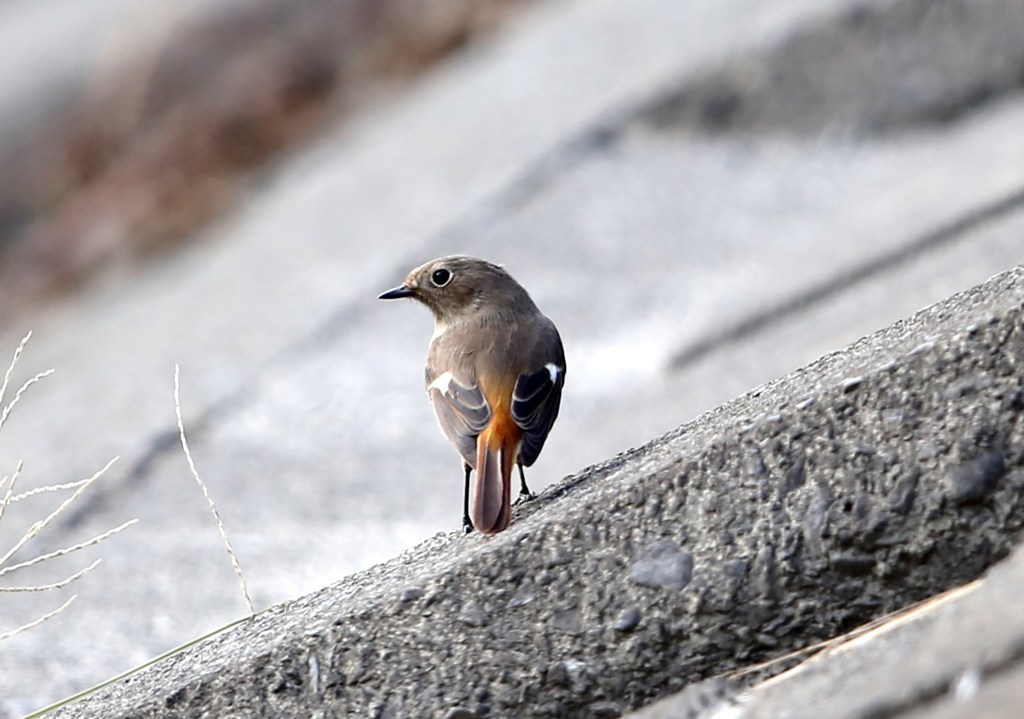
x=525 y=497
x=467 y=525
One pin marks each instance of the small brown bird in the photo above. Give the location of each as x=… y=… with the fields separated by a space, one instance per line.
x=495 y=370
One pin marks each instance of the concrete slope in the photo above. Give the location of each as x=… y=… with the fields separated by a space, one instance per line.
x=876 y=476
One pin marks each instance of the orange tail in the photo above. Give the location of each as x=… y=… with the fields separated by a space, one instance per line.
x=496 y=449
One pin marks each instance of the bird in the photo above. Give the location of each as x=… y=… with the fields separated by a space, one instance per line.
x=494 y=372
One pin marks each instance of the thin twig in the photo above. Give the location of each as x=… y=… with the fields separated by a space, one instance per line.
x=55 y=585
x=67 y=550
x=40 y=620
x=206 y=493
x=39 y=526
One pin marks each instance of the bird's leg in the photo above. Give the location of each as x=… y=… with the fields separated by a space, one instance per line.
x=525 y=495
x=467 y=523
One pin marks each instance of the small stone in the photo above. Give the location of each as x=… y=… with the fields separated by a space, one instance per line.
x=663 y=565
x=921 y=348
x=521 y=600
x=795 y=477
x=568 y=621
x=461 y=713
x=557 y=675
x=628 y=619
x=474 y=616
x=852 y=383
x=927 y=450
x=974 y=480
x=901 y=497
x=410 y=594
x=605 y=710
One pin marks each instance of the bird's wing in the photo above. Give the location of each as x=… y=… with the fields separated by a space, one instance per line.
x=535 y=401
x=461 y=411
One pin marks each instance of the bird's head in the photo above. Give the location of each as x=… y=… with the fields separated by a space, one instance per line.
x=456 y=287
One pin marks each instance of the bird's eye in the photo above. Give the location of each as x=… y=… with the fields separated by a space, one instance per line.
x=441 y=277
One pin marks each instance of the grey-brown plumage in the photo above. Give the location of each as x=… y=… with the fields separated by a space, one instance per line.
x=495 y=370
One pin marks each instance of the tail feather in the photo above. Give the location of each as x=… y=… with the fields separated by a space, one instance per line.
x=491 y=508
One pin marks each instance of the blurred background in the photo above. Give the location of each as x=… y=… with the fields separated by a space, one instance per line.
x=704 y=196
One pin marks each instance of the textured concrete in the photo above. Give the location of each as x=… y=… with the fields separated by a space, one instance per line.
x=874 y=477
x=959 y=659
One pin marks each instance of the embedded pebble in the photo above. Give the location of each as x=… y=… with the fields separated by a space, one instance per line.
x=663 y=565
x=974 y=480
x=410 y=594
x=628 y=619
x=852 y=383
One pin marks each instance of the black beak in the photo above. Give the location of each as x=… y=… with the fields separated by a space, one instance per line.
x=396 y=293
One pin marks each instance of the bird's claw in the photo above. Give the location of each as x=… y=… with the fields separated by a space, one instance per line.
x=525 y=497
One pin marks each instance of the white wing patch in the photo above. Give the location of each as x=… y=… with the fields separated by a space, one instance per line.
x=553 y=370
x=442 y=384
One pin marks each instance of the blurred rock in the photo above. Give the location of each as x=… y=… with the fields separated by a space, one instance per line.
x=176 y=109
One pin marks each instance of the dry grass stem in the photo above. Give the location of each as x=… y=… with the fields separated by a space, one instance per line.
x=10 y=368
x=47 y=488
x=67 y=550
x=33 y=531
x=206 y=493
x=9 y=498
x=55 y=585
x=39 y=526
x=17 y=395
x=40 y=620
x=9 y=494
x=7 y=380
